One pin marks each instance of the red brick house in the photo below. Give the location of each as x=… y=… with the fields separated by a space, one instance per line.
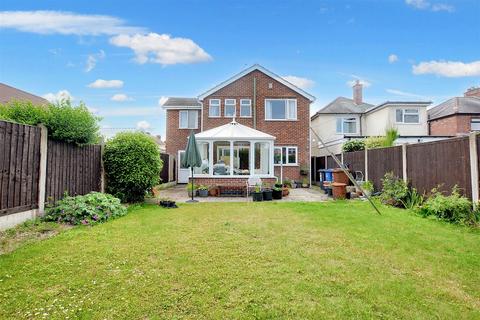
x=253 y=124
x=457 y=116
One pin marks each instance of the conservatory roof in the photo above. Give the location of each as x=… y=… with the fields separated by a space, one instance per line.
x=233 y=130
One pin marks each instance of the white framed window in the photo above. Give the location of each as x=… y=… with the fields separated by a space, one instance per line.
x=214 y=108
x=346 y=125
x=245 y=108
x=188 y=119
x=475 y=124
x=230 y=108
x=407 y=116
x=280 y=109
x=287 y=155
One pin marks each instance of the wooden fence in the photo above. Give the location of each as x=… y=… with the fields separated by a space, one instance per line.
x=425 y=166
x=19 y=167
x=72 y=169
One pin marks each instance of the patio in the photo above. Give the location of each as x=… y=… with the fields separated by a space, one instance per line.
x=178 y=193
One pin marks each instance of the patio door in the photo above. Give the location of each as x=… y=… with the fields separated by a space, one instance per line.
x=183 y=173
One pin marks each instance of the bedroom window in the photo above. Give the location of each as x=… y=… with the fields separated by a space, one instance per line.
x=407 y=116
x=188 y=119
x=230 y=108
x=346 y=125
x=245 y=108
x=280 y=109
x=214 y=108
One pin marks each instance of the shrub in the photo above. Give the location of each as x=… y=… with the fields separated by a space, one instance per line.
x=63 y=121
x=390 y=136
x=374 y=142
x=353 y=145
x=91 y=208
x=453 y=208
x=413 y=199
x=394 y=190
x=132 y=165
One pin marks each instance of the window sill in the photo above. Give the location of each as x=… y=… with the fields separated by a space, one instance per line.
x=287 y=165
x=282 y=120
x=214 y=116
x=188 y=128
x=403 y=123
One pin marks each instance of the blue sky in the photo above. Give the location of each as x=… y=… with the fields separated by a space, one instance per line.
x=147 y=50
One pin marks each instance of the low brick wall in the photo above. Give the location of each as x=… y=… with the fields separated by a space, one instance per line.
x=228 y=181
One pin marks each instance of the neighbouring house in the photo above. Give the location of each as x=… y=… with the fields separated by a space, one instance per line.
x=344 y=119
x=253 y=124
x=8 y=93
x=456 y=116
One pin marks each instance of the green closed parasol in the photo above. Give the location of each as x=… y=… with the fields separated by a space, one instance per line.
x=192 y=158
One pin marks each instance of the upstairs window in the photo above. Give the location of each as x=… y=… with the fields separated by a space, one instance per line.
x=475 y=124
x=188 y=119
x=347 y=125
x=214 y=108
x=407 y=116
x=230 y=108
x=245 y=108
x=280 y=109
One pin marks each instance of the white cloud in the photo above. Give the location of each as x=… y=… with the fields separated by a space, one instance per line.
x=104 y=84
x=120 y=97
x=300 y=82
x=92 y=60
x=162 y=100
x=67 y=23
x=426 y=5
x=392 y=58
x=405 y=94
x=143 y=125
x=161 y=48
x=451 y=69
x=59 y=96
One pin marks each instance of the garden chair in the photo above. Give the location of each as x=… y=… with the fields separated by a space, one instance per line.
x=252 y=182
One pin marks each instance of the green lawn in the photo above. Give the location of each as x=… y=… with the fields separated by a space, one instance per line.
x=249 y=260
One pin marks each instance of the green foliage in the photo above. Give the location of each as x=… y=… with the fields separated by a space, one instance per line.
x=391 y=135
x=374 y=142
x=413 y=200
x=63 y=121
x=353 y=145
x=188 y=187
x=367 y=186
x=453 y=208
x=72 y=124
x=394 y=190
x=23 y=112
x=132 y=165
x=91 y=208
x=202 y=187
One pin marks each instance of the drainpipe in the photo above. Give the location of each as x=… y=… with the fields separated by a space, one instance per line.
x=254 y=104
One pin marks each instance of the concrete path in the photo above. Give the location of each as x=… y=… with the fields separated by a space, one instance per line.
x=178 y=193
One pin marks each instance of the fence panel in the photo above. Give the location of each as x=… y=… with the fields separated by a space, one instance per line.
x=164 y=174
x=331 y=164
x=383 y=160
x=445 y=163
x=355 y=161
x=19 y=166
x=72 y=169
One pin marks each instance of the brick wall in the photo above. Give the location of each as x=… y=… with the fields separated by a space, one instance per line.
x=228 y=181
x=176 y=139
x=458 y=124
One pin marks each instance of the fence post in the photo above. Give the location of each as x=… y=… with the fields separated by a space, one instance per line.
x=366 y=164
x=472 y=141
x=42 y=176
x=341 y=157
x=102 y=168
x=404 y=162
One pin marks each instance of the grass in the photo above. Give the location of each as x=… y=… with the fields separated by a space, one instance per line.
x=237 y=261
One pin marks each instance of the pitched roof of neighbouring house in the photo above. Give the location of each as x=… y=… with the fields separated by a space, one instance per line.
x=263 y=70
x=8 y=93
x=184 y=103
x=454 y=106
x=400 y=103
x=343 y=105
x=234 y=130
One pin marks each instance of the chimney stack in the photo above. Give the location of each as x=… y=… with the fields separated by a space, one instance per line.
x=472 y=92
x=357 y=92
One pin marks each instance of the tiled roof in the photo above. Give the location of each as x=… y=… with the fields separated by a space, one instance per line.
x=344 y=105
x=8 y=93
x=182 y=102
x=454 y=106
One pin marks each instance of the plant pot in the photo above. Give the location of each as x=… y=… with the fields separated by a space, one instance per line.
x=257 y=196
x=277 y=194
x=214 y=191
x=203 y=193
x=304 y=185
x=294 y=186
x=285 y=192
x=267 y=195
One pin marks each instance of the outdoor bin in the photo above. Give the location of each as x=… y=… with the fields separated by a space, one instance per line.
x=339 y=190
x=328 y=174
x=340 y=176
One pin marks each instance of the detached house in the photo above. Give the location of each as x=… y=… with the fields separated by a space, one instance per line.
x=253 y=124
x=345 y=119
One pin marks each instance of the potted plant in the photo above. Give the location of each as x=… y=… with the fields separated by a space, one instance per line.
x=214 y=191
x=267 y=193
x=305 y=182
x=167 y=203
x=203 y=191
x=277 y=192
x=367 y=187
x=257 y=194
x=285 y=191
x=287 y=183
x=304 y=170
x=189 y=189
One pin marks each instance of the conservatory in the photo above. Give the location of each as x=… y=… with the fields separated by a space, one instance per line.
x=235 y=151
